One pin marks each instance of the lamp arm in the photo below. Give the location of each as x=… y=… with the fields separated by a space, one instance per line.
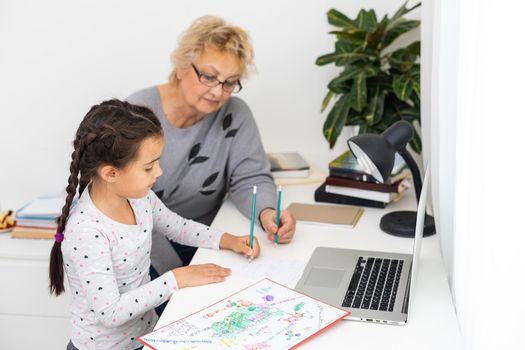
x=414 y=169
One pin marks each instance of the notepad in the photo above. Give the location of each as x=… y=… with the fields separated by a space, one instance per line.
x=265 y=315
x=342 y=215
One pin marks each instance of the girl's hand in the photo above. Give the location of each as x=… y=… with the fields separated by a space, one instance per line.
x=197 y=275
x=240 y=244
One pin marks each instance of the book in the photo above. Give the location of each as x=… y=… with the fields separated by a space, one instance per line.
x=22 y=232
x=45 y=208
x=264 y=315
x=321 y=195
x=346 y=166
x=395 y=187
x=37 y=219
x=344 y=216
x=365 y=194
x=288 y=164
x=367 y=190
x=315 y=176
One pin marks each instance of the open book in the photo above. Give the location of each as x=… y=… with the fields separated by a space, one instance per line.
x=265 y=315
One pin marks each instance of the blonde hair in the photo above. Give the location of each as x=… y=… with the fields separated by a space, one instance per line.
x=214 y=32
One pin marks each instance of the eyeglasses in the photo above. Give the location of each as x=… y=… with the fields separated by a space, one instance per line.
x=211 y=81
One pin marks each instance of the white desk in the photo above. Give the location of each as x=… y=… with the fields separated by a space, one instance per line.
x=432 y=323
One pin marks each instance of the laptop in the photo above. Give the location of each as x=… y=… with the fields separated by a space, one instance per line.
x=373 y=286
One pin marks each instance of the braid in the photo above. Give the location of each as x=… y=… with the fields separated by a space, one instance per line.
x=56 y=268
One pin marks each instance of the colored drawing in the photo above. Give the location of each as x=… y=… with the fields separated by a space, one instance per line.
x=265 y=315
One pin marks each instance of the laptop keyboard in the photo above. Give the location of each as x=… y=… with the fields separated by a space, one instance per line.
x=374 y=284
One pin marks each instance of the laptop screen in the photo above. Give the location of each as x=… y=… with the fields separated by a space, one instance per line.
x=418 y=235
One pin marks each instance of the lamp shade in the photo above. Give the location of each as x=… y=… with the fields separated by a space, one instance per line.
x=376 y=153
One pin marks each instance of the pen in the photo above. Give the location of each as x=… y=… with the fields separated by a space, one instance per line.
x=254 y=200
x=278 y=216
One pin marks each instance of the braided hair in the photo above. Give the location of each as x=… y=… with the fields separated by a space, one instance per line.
x=109 y=134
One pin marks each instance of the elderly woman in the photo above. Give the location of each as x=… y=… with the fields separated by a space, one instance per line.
x=212 y=144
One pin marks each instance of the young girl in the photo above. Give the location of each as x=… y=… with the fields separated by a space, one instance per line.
x=104 y=240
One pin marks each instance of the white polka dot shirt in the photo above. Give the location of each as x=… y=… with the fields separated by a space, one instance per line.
x=107 y=266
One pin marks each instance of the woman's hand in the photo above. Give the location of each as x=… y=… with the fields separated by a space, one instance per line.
x=197 y=275
x=286 y=224
x=240 y=245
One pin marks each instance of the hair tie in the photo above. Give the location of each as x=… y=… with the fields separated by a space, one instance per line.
x=59 y=237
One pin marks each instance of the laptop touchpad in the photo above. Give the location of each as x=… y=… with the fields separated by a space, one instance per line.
x=324 y=277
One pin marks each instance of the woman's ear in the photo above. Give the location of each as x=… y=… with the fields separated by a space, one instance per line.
x=179 y=73
x=108 y=173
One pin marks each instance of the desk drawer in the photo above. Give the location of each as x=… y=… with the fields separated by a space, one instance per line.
x=24 y=290
x=30 y=332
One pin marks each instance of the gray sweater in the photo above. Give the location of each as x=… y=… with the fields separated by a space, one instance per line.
x=220 y=154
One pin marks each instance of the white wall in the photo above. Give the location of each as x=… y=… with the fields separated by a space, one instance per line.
x=477 y=126
x=439 y=113
x=57 y=58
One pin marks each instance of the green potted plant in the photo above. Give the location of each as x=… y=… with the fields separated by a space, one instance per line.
x=377 y=86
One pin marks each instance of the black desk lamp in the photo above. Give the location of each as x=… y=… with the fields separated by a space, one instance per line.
x=376 y=154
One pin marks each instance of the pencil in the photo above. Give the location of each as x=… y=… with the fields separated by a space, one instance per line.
x=254 y=200
x=278 y=216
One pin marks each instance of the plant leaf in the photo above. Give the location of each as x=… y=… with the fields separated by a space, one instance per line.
x=375 y=107
x=358 y=93
x=402 y=86
x=336 y=119
x=404 y=10
x=349 y=73
x=348 y=36
x=356 y=38
x=374 y=39
x=353 y=118
x=367 y=20
x=326 y=100
x=398 y=29
x=415 y=143
x=404 y=58
x=338 y=19
x=345 y=53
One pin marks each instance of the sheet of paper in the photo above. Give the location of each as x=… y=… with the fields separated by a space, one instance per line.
x=265 y=315
x=273 y=263
x=285 y=271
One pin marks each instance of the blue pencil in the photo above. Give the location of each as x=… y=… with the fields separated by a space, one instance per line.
x=278 y=216
x=254 y=200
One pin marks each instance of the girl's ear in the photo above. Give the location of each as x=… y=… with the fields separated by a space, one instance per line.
x=108 y=173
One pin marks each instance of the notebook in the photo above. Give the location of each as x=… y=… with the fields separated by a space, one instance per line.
x=344 y=216
x=373 y=286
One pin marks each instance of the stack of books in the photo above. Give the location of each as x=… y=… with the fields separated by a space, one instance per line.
x=348 y=183
x=37 y=219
